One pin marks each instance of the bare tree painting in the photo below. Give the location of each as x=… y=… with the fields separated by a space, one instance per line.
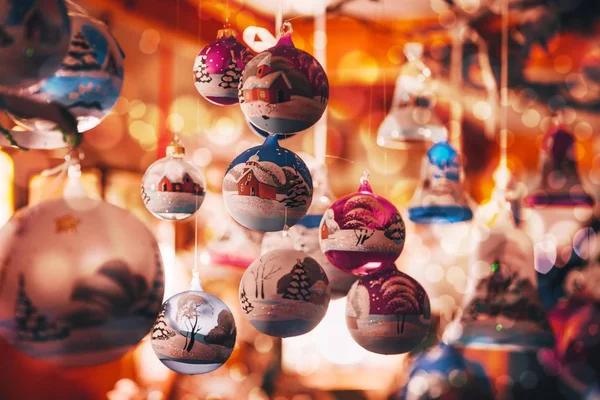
x=264 y=271
x=190 y=309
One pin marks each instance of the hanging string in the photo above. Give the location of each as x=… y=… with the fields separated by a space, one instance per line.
x=227 y=14
x=456 y=65
x=320 y=40
x=504 y=89
x=278 y=19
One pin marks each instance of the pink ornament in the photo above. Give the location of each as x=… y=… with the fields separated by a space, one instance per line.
x=388 y=313
x=218 y=68
x=362 y=233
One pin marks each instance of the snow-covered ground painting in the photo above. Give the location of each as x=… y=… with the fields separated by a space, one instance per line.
x=40 y=26
x=284 y=90
x=89 y=80
x=284 y=293
x=362 y=232
x=173 y=188
x=194 y=333
x=267 y=187
x=218 y=69
x=388 y=313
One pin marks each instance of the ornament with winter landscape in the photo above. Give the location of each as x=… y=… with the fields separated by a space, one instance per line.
x=75 y=288
x=89 y=80
x=173 y=188
x=284 y=293
x=267 y=187
x=362 y=233
x=34 y=37
x=194 y=333
x=218 y=68
x=388 y=313
x=284 y=90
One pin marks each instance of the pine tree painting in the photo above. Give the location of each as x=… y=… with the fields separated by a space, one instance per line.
x=305 y=282
x=297 y=191
x=298 y=288
x=161 y=330
x=202 y=75
x=81 y=56
x=231 y=77
x=247 y=306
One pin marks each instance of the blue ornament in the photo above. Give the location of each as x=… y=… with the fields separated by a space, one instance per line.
x=89 y=80
x=267 y=187
x=440 y=198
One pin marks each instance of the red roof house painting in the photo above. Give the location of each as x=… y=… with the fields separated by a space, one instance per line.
x=267 y=86
x=186 y=186
x=254 y=182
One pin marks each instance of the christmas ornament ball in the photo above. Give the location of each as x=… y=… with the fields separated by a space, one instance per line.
x=267 y=187
x=194 y=333
x=284 y=293
x=89 y=80
x=172 y=187
x=34 y=38
x=362 y=233
x=218 y=68
x=82 y=281
x=284 y=90
x=388 y=313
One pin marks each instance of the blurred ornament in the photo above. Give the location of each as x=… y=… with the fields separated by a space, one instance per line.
x=441 y=198
x=447 y=375
x=304 y=236
x=388 y=313
x=89 y=80
x=264 y=134
x=501 y=306
x=173 y=188
x=505 y=191
x=412 y=119
x=82 y=281
x=560 y=184
x=362 y=233
x=267 y=187
x=218 y=68
x=284 y=89
x=284 y=293
x=34 y=38
x=194 y=333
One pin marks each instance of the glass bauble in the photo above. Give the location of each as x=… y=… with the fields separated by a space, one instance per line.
x=284 y=293
x=388 y=313
x=82 y=281
x=267 y=187
x=194 y=333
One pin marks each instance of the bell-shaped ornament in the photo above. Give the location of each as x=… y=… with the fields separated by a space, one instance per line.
x=440 y=199
x=412 y=119
x=560 y=184
x=501 y=307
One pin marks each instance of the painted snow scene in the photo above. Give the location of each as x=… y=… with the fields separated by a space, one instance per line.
x=76 y=290
x=194 y=333
x=34 y=38
x=89 y=80
x=284 y=89
x=362 y=232
x=440 y=198
x=284 y=293
x=388 y=313
x=304 y=236
x=218 y=69
x=267 y=187
x=173 y=188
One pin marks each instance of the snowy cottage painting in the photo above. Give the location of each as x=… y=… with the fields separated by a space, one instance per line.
x=267 y=187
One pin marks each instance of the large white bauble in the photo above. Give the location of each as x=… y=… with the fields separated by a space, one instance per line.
x=81 y=281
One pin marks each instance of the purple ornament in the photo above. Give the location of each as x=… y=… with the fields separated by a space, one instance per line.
x=362 y=233
x=218 y=68
x=284 y=90
x=388 y=313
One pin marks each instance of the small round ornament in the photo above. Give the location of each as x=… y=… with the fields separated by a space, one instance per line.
x=194 y=333
x=81 y=281
x=218 y=68
x=34 y=38
x=173 y=188
x=362 y=233
x=284 y=293
x=284 y=89
x=89 y=80
x=388 y=313
x=267 y=187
